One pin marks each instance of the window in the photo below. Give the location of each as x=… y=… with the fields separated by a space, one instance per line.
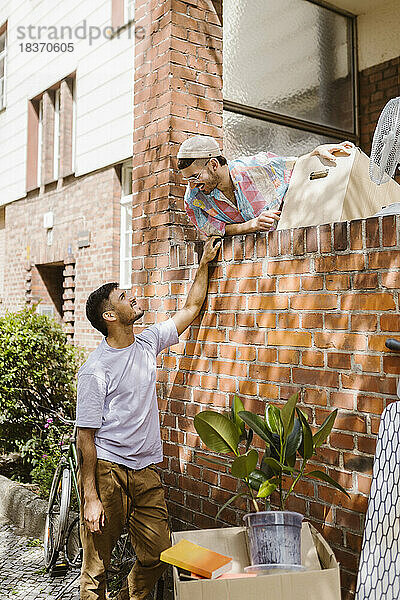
x=56 y=138
x=129 y=10
x=289 y=76
x=3 y=55
x=126 y=229
x=73 y=132
x=51 y=117
x=122 y=12
x=45 y=309
x=2 y=249
x=40 y=142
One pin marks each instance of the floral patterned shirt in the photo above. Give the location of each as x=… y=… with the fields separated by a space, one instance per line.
x=260 y=181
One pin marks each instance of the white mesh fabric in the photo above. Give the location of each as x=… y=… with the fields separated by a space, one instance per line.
x=385 y=152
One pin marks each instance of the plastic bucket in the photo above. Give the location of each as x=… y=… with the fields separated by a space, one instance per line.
x=274 y=537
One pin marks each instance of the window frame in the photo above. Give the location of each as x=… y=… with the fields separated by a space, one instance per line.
x=3 y=57
x=39 y=142
x=129 y=6
x=73 y=133
x=56 y=134
x=125 y=226
x=2 y=249
x=301 y=124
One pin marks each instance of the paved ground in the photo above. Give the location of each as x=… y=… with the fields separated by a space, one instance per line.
x=22 y=574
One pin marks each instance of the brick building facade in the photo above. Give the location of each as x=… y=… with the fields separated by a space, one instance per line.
x=63 y=170
x=304 y=309
x=61 y=275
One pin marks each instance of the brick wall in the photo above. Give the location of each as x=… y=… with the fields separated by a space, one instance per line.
x=378 y=85
x=177 y=92
x=308 y=310
x=75 y=204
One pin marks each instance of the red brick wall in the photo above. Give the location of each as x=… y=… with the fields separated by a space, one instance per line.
x=178 y=92
x=91 y=203
x=378 y=85
x=309 y=310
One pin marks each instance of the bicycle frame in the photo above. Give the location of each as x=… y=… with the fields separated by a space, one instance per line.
x=72 y=459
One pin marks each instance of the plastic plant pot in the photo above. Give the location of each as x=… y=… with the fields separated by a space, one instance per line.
x=273 y=569
x=274 y=537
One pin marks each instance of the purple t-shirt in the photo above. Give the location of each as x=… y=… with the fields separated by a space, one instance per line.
x=117 y=397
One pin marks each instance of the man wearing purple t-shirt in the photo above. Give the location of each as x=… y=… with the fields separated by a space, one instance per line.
x=119 y=439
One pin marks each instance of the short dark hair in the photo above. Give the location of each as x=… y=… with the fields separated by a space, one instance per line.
x=97 y=303
x=184 y=163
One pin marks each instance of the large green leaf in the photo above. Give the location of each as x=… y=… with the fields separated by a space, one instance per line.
x=287 y=414
x=324 y=477
x=217 y=432
x=273 y=419
x=243 y=465
x=237 y=406
x=307 y=442
x=264 y=467
x=266 y=489
x=294 y=439
x=249 y=438
x=256 y=478
x=276 y=466
x=230 y=502
x=275 y=446
x=325 y=429
x=257 y=424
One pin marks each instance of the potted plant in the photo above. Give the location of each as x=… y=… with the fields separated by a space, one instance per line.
x=274 y=536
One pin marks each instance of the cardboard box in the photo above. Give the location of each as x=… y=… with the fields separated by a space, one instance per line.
x=319 y=582
x=323 y=192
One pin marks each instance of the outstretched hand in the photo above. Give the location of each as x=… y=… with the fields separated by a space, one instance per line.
x=211 y=248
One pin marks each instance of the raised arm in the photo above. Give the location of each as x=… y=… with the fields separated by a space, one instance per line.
x=93 y=512
x=184 y=317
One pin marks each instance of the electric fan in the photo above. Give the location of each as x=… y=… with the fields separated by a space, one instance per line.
x=385 y=152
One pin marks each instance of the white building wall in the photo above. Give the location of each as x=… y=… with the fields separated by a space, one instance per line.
x=379 y=34
x=104 y=84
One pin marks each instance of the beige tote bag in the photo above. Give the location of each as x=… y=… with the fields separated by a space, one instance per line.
x=321 y=191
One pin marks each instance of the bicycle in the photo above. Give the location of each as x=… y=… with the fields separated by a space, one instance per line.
x=61 y=540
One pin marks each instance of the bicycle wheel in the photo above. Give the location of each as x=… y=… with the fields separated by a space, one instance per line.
x=73 y=547
x=122 y=560
x=57 y=515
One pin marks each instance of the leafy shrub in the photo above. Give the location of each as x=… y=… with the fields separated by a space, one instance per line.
x=37 y=374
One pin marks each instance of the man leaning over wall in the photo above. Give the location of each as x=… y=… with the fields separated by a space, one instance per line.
x=239 y=196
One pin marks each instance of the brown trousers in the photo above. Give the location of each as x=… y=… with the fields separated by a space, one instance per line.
x=135 y=498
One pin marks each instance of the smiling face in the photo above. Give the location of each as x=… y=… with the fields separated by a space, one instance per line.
x=124 y=307
x=203 y=174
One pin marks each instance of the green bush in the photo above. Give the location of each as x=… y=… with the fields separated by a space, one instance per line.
x=37 y=373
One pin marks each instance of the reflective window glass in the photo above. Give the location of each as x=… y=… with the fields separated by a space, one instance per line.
x=290 y=57
x=246 y=136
